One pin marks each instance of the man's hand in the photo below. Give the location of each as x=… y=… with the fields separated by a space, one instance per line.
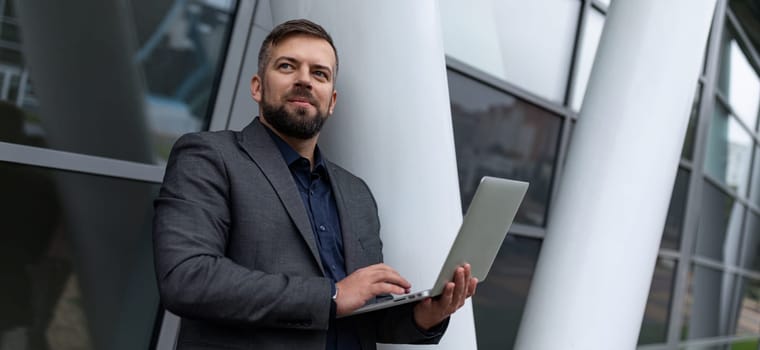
x=432 y=311
x=366 y=283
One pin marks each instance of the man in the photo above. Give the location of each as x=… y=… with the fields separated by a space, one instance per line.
x=261 y=242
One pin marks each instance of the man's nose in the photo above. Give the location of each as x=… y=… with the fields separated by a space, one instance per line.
x=303 y=78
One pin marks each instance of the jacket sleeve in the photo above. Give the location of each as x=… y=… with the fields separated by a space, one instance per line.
x=190 y=232
x=396 y=325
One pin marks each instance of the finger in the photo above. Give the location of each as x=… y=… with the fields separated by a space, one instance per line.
x=390 y=276
x=471 y=288
x=467 y=272
x=386 y=288
x=396 y=279
x=460 y=288
x=382 y=267
x=447 y=295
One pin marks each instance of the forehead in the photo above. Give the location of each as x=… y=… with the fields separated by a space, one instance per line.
x=305 y=48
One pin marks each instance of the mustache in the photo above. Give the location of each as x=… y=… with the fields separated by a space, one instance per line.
x=301 y=93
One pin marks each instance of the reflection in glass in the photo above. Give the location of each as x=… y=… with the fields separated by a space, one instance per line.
x=671 y=236
x=498 y=135
x=500 y=300
x=729 y=149
x=724 y=346
x=708 y=303
x=592 y=31
x=528 y=43
x=127 y=89
x=751 y=344
x=720 y=223
x=75 y=260
x=654 y=328
x=748 y=320
x=739 y=81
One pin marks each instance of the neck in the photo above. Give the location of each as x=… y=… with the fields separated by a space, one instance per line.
x=305 y=148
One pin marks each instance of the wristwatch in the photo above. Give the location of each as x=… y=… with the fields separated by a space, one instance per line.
x=335 y=296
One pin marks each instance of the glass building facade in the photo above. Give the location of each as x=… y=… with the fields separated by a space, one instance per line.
x=89 y=109
x=90 y=106
x=513 y=111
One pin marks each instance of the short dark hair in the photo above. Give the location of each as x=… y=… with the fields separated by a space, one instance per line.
x=288 y=29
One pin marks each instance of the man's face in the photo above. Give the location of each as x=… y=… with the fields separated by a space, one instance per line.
x=296 y=94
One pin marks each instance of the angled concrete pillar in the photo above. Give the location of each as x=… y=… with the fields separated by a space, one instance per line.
x=594 y=271
x=392 y=126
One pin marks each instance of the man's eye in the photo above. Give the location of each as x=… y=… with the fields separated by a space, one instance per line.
x=321 y=74
x=285 y=66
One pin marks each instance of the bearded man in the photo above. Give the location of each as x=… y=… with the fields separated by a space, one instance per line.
x=262 y=243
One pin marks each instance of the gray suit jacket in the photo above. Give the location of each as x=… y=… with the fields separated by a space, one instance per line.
x=236 y=257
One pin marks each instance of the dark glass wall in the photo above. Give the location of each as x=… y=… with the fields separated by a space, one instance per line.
x=76 y=260
x=124 y=83
x=84 y=87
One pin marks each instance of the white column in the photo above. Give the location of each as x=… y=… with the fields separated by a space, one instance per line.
x=392 y=127
x=594 y=271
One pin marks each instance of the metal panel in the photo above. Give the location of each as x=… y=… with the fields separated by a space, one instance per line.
x=27 y=155
x=237 y=51
x=691 y=216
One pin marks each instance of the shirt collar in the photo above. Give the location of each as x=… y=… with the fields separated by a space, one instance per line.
x=290 y=155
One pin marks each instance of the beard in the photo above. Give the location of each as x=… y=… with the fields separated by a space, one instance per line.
x=298 y=123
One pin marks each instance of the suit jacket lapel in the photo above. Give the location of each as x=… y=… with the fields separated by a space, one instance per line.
x=262 y=150
x=352 y=248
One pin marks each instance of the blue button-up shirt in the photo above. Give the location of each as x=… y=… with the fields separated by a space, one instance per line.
x=316 y=193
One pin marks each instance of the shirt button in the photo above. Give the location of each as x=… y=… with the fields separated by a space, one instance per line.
x=322 y=228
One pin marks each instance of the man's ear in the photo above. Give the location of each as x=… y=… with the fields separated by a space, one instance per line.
x=333 y=100
x=256 y=88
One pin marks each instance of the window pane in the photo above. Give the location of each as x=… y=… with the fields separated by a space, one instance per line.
x=748 y=320
x=528 y=43
x=75 y=260
x=751 y=257
x=708 y=301
x=122 y=84
x=739 y=81
x=654 y=328
x=500 y=300
x=9 y=10
x=592 y=31
x=746 y=11
x=755 y=184
x=671 y=236
x=729 y=149
x=9 y=32
x=498 y=135
x=720 y=224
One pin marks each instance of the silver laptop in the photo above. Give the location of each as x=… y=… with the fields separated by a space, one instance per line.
x=483 y=229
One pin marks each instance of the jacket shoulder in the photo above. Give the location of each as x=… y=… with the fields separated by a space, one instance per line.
x=218 y=138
